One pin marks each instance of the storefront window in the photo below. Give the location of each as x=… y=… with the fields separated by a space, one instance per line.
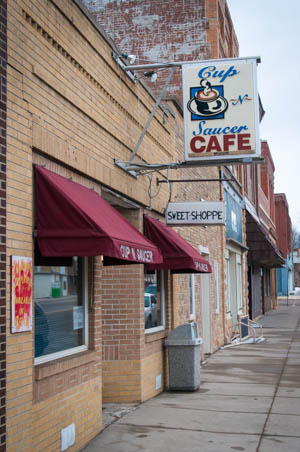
x=60 y=309
x=154 y=300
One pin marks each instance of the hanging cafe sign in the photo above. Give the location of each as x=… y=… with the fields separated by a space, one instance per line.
x=221 y=113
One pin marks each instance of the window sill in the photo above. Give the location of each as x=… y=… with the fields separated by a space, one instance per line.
x=155 y=335
x=60 y=365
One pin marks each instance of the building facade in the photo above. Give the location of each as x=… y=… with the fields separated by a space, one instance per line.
x=90 y=237
x=263 y=254
x=72 y=111
x=170 y=31
x=183 y=31
x=286 y=274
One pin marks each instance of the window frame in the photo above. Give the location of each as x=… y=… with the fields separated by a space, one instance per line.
x=80 y=348
x=163 y=306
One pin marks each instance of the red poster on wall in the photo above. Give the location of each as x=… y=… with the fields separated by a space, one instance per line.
x=21 y=294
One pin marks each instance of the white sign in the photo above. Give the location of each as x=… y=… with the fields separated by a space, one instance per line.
x=221 y=110
x=206 y=212
x=78 y=317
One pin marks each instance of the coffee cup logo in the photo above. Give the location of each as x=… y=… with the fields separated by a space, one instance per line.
x=207 y=101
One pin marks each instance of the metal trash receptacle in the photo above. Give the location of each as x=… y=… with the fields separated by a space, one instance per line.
x=184 y=357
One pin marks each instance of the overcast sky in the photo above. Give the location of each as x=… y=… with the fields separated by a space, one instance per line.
x=271 y=29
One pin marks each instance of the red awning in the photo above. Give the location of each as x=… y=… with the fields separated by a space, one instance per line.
x=178 y=255
x=73 y=220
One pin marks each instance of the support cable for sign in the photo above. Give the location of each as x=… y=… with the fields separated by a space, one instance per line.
x=150 y=193
x=170 y=187
x=152 y=114
x=151 y=196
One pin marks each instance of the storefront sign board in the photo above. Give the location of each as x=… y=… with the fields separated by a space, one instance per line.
x=201 y=213
x=221 y=110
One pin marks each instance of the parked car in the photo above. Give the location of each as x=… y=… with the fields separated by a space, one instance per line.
x=150 y=310
x=151 y=288
x=41 y=330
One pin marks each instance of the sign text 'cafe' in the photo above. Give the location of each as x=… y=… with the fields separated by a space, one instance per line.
x=221 y=109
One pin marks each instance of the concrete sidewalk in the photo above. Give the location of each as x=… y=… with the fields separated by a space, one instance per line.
x=249 y=400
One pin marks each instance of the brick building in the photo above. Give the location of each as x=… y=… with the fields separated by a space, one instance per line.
x=263 y=256
x=283 y=224
x=178 y=30
x=71 y=112
x=285 y=279
x=152 y=32
x=191 y=31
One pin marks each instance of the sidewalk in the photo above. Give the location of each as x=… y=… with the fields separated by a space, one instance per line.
x=249 y=400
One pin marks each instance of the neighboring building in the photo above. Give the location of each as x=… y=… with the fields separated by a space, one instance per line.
x=284 y=243
x=263 y=254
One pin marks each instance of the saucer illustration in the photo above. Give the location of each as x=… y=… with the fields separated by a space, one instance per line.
x=210 y=109
x=207 y=101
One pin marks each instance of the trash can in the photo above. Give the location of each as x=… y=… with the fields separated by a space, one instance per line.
x=184 y=357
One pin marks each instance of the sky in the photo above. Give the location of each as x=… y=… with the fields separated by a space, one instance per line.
x=271 y=29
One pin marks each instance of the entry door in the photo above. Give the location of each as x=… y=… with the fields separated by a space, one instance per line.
x=206 y=319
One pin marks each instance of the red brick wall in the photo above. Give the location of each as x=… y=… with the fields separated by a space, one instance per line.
x=283 y=224
x=267 y=178
x=3 y=62
x=156 y=31
x=167 y=31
